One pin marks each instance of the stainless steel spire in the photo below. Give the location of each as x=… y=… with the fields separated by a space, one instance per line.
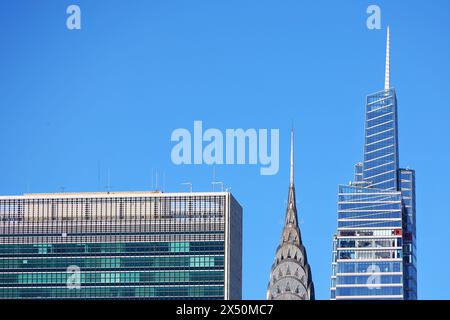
x=290 y=278
x=388 y=62
x=292 y=158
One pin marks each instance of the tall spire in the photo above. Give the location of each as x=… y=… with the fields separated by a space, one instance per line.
x=291 y=181
x=291 y=196
x=388 y=62
x=290 y=278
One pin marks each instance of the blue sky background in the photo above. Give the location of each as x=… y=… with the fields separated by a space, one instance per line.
x=113 y=92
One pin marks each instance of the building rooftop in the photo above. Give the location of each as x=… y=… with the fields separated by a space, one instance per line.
x=111 y=194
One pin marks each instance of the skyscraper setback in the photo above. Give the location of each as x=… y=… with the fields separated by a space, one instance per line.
x=374 y=249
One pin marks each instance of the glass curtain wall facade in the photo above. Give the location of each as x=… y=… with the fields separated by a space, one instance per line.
x=374 y=247
x=380 y=164
x=408 y=189
x=142 y=245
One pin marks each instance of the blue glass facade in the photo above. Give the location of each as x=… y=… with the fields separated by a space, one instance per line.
x=381 y=141
x=121 y=246
x=408 y=188
x=368 y=255
x=374 y=252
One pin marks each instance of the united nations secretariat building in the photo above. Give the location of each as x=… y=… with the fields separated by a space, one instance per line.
x=121 y=245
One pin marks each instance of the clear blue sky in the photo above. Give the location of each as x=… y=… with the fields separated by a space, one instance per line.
x=112 y=93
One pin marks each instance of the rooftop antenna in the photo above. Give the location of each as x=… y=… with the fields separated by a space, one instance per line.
x=108 y=187
x=151 y=187
x=164 y=181
x=98 y=175
x=218 y=182
x=388 y=61
x=214 y=182
x=187 y=184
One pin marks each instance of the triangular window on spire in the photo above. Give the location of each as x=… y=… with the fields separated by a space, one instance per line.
x=291 y=237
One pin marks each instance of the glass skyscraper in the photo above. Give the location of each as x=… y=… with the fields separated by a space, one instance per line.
x=374 y=249
x=121 y=245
